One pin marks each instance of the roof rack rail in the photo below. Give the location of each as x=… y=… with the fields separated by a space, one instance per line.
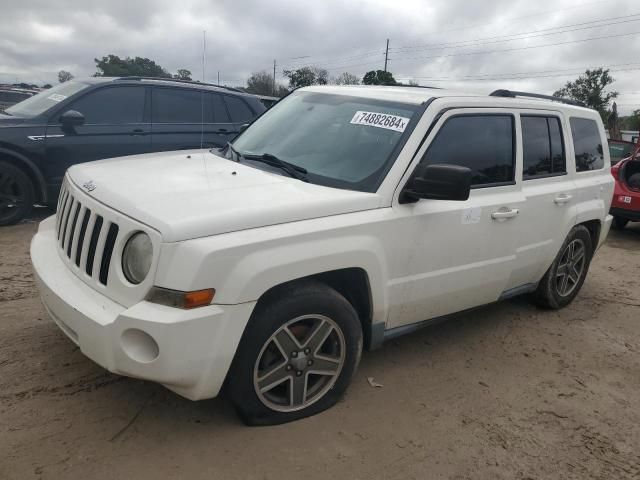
x=179 y=80
x=514 y=94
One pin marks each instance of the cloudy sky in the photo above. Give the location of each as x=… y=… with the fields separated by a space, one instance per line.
x=462 y=44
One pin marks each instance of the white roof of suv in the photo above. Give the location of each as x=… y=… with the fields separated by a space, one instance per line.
x=419 y=95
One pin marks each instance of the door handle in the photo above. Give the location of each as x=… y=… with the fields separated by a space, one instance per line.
x=138 y=131
x=505 y=214
x=222 y=130
x=562 y=199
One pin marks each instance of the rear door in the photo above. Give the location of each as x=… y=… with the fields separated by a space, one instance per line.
x=116 y=124
x=184 y=118
x=240 y=112
x=549 y=189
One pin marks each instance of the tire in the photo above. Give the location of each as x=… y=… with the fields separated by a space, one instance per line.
x=619 y=223
x=551 y=292
x=16 y=194
x=262 y=378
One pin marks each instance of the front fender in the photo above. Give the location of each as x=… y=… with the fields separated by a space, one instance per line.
x=242 y=268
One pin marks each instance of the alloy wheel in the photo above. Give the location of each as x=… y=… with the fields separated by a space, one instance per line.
x=299 y=363
x=570 y=268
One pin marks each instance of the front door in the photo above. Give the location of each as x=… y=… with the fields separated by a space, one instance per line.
x=461 y=255
x=114 y=126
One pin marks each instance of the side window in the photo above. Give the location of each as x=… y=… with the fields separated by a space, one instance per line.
x=176 y=105
x=238 y=109
x=112 y=106
x=542 y=147
x=220 y=114
x=587 y=144
x=483 y=143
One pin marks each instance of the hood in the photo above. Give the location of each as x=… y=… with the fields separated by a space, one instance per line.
x=192 y=194
x=10 y=121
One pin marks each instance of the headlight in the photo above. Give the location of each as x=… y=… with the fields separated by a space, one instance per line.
x=136 y=257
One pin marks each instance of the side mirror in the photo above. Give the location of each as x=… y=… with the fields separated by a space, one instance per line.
x=71 y=118
x=243 y=127
x=438 y=182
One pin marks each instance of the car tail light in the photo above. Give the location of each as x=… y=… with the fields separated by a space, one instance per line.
x=615 y=170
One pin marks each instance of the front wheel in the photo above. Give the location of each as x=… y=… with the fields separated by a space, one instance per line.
x=567 y=273
x=16 y=194
x=297 y=356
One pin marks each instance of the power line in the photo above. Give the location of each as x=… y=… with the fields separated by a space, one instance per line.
x=528 y=47
x=370 y=53
x=507 y=78
x=502 y=75
x=515 y=19
x=485 y=52
x=523 y=35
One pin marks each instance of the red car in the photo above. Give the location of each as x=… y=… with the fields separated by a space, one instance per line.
x=625 y=207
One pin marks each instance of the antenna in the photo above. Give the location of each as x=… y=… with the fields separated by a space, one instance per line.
x=204 y=54
x=204 y=51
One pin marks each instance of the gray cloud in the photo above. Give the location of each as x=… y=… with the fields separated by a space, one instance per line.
x=41 y=37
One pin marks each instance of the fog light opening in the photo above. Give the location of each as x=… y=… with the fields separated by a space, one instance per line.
x=139 y=345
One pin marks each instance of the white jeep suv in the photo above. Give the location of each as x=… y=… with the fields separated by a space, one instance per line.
x=342 y=217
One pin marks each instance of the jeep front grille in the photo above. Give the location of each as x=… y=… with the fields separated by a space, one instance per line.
x=85 y=237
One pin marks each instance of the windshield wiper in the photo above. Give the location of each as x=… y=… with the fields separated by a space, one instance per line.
x=293 y=170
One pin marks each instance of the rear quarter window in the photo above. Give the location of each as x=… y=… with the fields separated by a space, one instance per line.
x=587 y=144
x=238 y=109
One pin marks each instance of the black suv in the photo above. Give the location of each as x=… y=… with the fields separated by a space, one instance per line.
x=84 y=120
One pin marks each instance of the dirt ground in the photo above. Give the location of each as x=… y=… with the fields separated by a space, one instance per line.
x=508 y=391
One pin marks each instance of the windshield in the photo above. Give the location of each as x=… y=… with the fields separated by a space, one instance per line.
x=342 y=141
x=45 y=100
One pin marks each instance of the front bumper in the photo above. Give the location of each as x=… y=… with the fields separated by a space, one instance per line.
x=188 y=351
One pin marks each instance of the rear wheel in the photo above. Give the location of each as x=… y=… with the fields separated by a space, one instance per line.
x=16 y=194
x=619 y=223
x=297 y=356
x=565 y=277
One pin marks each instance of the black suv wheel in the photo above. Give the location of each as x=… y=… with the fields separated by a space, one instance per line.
x=16 y=194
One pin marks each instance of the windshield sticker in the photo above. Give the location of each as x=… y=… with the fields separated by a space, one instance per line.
x=380 y=120
x=56 y=97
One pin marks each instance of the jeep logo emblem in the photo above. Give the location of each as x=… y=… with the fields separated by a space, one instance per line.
x=89 y=186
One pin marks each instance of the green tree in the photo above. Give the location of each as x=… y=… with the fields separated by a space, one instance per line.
x=183 y=74
x=114 y=66
x=379 y=77
x=305 y=76
x=633 y=121
x=64 y=76
x=346 y=78
x=260 y=83
x=590 y=89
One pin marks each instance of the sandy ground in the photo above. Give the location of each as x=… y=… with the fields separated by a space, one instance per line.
x=508 y=391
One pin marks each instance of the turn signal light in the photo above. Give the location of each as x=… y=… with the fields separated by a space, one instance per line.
x=178 y=299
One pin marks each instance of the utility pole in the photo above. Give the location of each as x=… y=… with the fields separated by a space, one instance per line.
x=386 y=56
x=274 y=79
x=218 y=77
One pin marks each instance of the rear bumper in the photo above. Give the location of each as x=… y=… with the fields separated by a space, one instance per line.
x=188 y=351
x=631 y=215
